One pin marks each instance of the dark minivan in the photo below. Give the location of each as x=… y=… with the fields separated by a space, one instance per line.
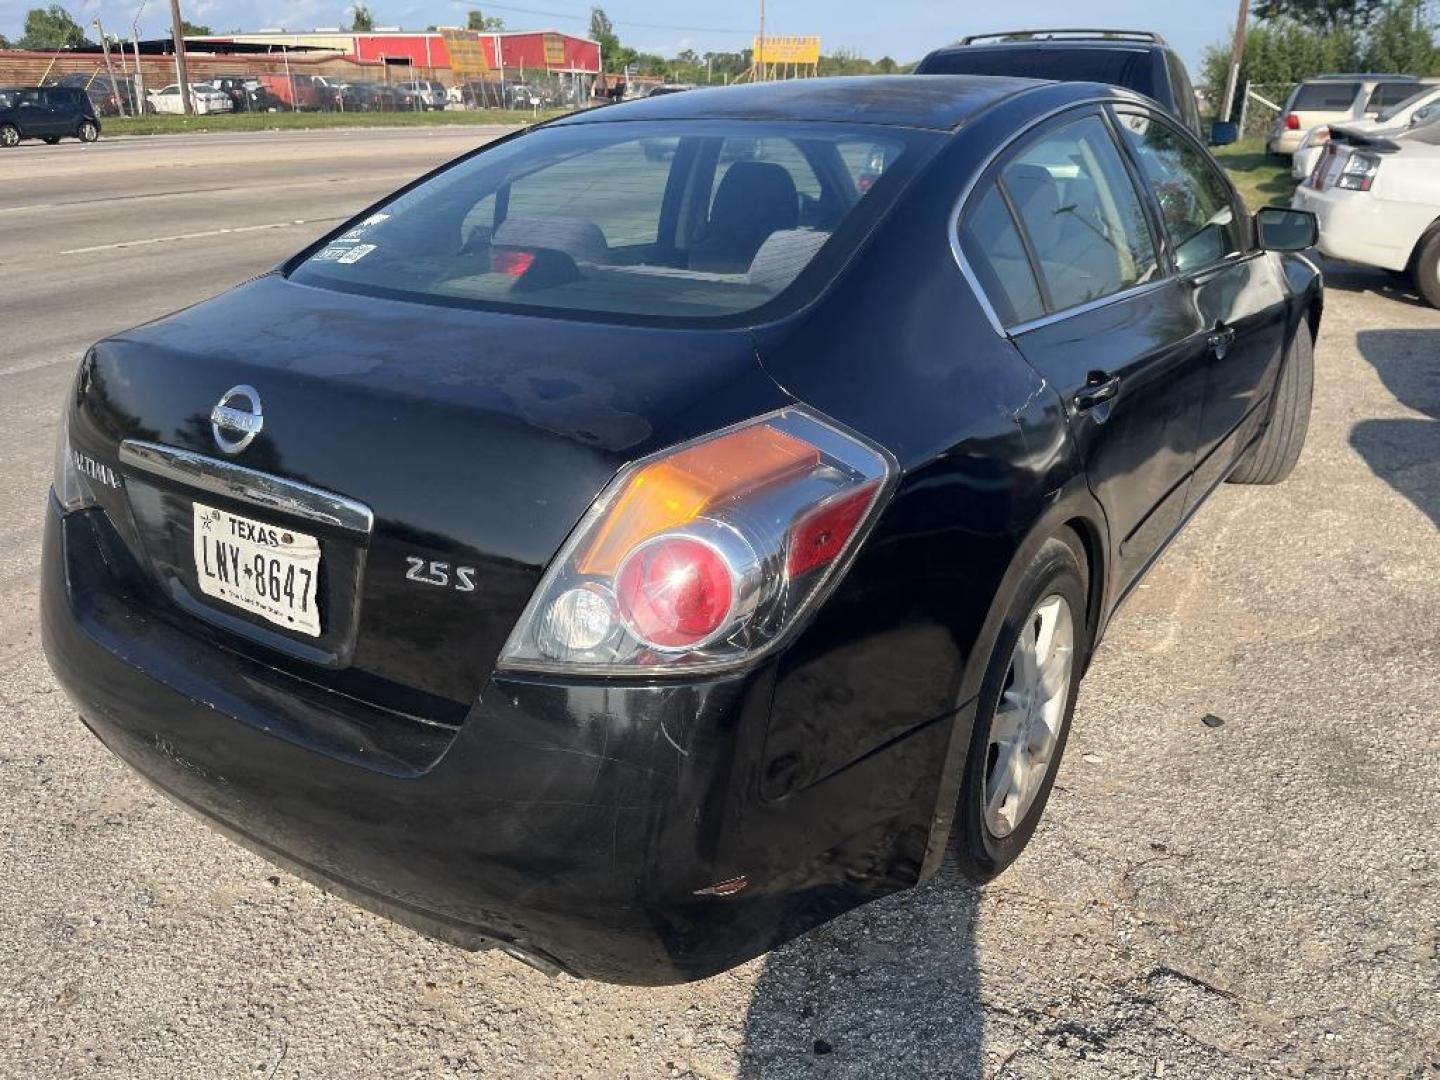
x=1135 y=59
x=635 y=574
x=51 y=113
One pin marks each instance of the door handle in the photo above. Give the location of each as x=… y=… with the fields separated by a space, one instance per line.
x=1220 y=340
x=1100 y=387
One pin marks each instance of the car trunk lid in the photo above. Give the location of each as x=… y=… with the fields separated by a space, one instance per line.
x=474 y=440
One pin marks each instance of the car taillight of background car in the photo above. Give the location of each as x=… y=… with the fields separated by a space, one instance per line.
x=705 y=555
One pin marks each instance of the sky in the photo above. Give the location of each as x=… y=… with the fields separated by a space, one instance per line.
x=903 y=29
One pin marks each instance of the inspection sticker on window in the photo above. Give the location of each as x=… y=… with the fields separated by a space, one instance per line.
x=356 y=253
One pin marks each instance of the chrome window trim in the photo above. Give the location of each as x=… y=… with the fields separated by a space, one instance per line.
x=1089 y=305
x=247 y=485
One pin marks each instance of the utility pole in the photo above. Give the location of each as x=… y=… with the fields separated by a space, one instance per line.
x=105 y=48
x=139 y=99
x=182 y=73
x=1237 y=53
x=759 y=60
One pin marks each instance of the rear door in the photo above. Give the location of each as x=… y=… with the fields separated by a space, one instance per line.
x=1235 y=291
x=1065 y=246
x=64 y=111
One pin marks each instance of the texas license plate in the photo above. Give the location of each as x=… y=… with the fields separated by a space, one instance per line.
x=267 y=570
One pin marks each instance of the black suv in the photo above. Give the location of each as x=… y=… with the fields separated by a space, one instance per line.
x=46 y=112
x=1135 y=59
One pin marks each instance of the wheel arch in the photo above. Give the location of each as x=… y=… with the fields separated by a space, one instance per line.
x=1075 y=516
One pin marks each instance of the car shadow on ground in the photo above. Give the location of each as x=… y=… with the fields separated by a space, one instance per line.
x=1349 y=277
x=891 y=989
x=1405 y=453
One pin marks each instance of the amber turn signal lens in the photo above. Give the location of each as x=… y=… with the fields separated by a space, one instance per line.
x=678 y=489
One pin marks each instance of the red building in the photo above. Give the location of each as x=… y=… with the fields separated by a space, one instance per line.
x=510 y=51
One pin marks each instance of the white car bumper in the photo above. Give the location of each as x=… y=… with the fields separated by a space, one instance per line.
x=1353 y=226
x=1304 y=160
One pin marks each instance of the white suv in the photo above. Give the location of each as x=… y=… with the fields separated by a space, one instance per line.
x=1328 y=99
x=428 y=92
x=1378 y=202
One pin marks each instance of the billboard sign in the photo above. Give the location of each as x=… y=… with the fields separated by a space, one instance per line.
x=787 y=50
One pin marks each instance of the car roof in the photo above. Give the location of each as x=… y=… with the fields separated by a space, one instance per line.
x=1057 y=45
x=1355 y=76
x=938 y=102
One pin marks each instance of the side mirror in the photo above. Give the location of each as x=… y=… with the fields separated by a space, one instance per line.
x=1224 y=132
x=1283 y=229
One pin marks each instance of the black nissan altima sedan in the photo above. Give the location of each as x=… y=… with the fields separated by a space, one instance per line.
x=631 y=560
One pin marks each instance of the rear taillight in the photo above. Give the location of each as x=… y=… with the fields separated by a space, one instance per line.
x=1292 y=122
x=707 y=555
x=1358 y=173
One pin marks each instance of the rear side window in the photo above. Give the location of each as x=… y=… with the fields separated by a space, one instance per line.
x=1324 y=97
x=994 y=250
x=662 y=220
x=1196 y=203
x=1084 y=220
x=1392 y=93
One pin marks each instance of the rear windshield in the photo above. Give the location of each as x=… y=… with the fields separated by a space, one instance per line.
x=1130 y=68
x=662 y=220
x=1324 y=97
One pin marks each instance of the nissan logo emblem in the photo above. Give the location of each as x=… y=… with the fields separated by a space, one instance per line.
x=237 y=419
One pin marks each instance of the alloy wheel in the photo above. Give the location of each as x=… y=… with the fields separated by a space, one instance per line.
x=88 y=132
x=9 y=136
x=1026 y=724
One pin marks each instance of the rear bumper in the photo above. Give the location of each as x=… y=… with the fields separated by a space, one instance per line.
x=1354 y=226
x=578 y=825
x=1284 y=141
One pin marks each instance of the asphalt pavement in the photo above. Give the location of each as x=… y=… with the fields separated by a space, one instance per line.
x=1238 y=873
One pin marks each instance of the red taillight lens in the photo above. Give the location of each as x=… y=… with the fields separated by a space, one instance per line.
x=1292 y=122
x=514 y=263
x=707 y=554
x=821 y=535
x=675 y=592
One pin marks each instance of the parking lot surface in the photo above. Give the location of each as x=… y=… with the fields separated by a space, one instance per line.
x=1238 y=874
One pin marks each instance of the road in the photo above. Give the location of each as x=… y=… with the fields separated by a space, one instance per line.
x=1260 y=897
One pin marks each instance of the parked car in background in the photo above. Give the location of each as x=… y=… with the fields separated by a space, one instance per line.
x=1135 y=59
x=204 y=99
x=105 y=93
x=50 y=113
x=1419 y=107
x=1331 y=99
x=247 y=94
x=1378 y=202
x=669 y=88
x=611 y=604
x=299 y=93
x=478 y=94
x=427 y=93
x=372 y=97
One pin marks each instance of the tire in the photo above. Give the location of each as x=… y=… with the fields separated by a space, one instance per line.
x=52 y=139
x=1273 y=458
x=9 y=135
x=88 y=131
x=983 y=842
x=1427 y=268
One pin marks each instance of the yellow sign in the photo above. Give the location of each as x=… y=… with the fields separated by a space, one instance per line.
x=787 y=50
x=467 y=55
x=554 y=50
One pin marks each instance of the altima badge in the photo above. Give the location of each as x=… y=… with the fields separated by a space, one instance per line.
x=237 y=419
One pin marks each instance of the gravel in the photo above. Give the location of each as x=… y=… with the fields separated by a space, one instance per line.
x=1238 y=874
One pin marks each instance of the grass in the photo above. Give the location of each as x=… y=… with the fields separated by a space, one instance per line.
x=1264 y=180
x=221 y=122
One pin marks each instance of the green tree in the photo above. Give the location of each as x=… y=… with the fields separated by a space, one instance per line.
x=477 y=21
x=1321 y=14
x=51 y=28
x=1401 y=39
x=4 y=42
x=361 y=18
x=190 y=29
x=615 y=56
